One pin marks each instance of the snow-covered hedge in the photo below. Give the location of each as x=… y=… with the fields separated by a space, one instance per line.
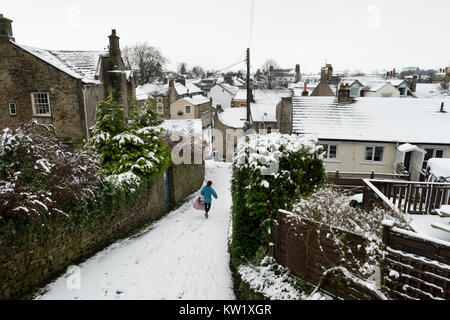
x=39 y=178
x=129 y=151
x=269 y=172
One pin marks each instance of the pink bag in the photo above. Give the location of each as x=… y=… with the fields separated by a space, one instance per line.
x=199 y=205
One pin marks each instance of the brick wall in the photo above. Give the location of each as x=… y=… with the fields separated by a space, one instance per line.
x=28 y=262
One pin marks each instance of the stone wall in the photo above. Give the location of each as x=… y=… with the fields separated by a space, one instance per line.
x=28 y=262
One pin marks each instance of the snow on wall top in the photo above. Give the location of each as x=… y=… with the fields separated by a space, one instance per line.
x=82 y=65
x=373 y=119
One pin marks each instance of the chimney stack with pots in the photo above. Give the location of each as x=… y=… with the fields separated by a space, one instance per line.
x=114 y=46
x=344 y=93
x=330 y=72
x=414 y=83
x=298 y=75
x=6 y=33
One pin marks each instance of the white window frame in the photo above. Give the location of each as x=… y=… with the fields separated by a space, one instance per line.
x=186 y=109
x=49 y=114
x=373 y=154
x=159 y=99
x=15 y=108
x=329 y=143
x=435 y=148
x=158 y=106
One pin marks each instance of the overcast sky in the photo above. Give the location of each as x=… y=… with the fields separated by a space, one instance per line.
x=350 y=34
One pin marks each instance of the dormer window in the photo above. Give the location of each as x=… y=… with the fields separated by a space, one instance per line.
x=12 y=109
x=41 y=104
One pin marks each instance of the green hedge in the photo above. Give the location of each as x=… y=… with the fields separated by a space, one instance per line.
x=257 y=197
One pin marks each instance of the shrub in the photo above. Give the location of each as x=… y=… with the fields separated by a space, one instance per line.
x=130 y=151
x=259 y=191
x=39 y=178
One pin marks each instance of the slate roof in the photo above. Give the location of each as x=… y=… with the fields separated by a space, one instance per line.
x=373 y=119
x=84 y=65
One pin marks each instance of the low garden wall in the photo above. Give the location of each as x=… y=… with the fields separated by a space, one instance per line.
x=415 y=268
x=28 y=261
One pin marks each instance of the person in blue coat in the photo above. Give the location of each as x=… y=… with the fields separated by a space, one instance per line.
x=208 y=191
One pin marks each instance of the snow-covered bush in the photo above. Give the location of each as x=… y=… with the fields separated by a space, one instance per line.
x=39 y=178
x=275 y=282
x=132 y=148
x=269 y=172
x=331 y=208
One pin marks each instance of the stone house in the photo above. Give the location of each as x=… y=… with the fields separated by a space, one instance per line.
x=166 y=94
x=196 y=107
x=59 y=87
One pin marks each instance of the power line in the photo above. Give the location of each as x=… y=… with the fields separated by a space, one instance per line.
x=233 y=65
x=252 y=14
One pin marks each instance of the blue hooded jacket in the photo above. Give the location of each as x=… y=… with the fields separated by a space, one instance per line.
x=207 y=192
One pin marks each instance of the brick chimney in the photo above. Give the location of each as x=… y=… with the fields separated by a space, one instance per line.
x=393 y=73
x=330 y=72
x=414 y=83
x=6 y=33
x=114 y=46
x=298 y=75
x=344 y=93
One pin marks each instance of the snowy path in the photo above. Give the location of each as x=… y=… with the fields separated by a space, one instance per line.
x=183 y=256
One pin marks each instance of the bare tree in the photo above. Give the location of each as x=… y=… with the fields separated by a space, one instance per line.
x=267 y=74
x=146 y=61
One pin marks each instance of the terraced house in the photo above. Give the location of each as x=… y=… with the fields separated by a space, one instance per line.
x=59 y=87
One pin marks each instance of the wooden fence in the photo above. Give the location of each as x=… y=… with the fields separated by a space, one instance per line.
x=354 y=181
x=415 y=268
x=302 y=245
x=406 y=196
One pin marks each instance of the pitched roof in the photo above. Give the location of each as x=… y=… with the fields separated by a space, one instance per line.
x=197 y=100
x=373 y=119
x=323 y=89
x=233 y=117
x=84 y=65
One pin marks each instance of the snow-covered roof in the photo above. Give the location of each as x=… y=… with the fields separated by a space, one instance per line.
x=143 y=91
x=396 y=82
x=375 y=86
x=192 y=88
x=439 y=167
x=229 y=88
x=197 y=100
x=82 y=65
x=233 y=117
x=241 y=95
x=179 y=126
x=373 y=119
x=430 y=90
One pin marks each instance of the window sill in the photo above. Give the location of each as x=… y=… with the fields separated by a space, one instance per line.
x=375 y=163
x=331 y=161
x=42 y=115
